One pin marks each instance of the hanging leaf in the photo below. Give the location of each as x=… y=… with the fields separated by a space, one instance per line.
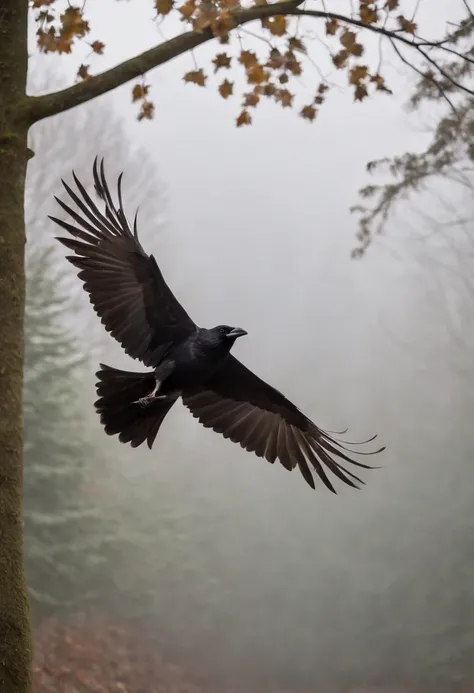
x=139 y=91
x=226 y=89
x=244 y=119
x=98 y=47
x=222 y=60
x=196 y=77
x=308 y=112
x=164 y=7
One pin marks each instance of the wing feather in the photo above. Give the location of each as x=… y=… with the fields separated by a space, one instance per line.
x=238 y=404
x=125 y=285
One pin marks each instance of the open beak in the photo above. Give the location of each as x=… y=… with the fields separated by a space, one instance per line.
x=236 y=332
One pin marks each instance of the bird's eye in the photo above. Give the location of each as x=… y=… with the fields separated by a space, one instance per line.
x=223 y=330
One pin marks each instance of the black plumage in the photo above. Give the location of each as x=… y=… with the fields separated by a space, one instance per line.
x=134 y=303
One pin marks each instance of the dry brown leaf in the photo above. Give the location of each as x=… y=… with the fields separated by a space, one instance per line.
x=276 y=25
x=332 y=26
x=244 y=119
x=51 y=42
x=284 y=97
x=139 y=91
x=83 y=73
x=358 y=73
x=223 y=25
x=257 y=74
x=44 y=17
x=222 y=60
x=73 y=23
x=348 y=39
x=360 y=92
x=187 y=9
x=296 y=44
x=98 y=47
x=368 y=13
x=248 y=59
x=407 y=25
x=196 y=77
x=46 y=40
x=292 y=64
x=226 y=89
x=275 y=60
x=251 y=99
x=205 y=17
x=269 y=89
x=164 y=6
x=379 y=81
x=308 y=112
x=340 y=59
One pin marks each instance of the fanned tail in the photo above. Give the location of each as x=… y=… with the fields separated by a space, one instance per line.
x=120 y=414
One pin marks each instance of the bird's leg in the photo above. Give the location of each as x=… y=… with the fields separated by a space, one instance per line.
x=161 y=373
x=149 y=399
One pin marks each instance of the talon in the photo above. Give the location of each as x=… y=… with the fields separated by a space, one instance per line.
x=146 y=401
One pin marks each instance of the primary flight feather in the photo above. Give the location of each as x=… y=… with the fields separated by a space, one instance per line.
x=137 y=307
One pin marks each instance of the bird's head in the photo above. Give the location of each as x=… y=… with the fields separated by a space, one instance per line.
x=226 y=335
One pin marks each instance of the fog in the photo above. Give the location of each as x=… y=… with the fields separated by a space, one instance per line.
x=231 y=567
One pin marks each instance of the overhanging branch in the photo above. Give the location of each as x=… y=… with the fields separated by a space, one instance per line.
x=39 y=107
x=50 y=104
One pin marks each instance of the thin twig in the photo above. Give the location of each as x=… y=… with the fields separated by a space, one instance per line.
x=423 y=75
x=466 y=5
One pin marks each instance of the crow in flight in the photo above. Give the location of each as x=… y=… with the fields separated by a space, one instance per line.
x=135 y=304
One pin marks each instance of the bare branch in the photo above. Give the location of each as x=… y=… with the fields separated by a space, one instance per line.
x=445 y=157
x=433 y=80
x=466 y=5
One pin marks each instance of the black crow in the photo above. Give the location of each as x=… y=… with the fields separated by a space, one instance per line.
x=135 y=304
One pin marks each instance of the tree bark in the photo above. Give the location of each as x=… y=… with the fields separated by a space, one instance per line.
x=15 y=648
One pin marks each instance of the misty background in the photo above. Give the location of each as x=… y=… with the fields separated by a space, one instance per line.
x=227 y=566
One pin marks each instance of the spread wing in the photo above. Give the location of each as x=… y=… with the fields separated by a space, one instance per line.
x=244 y=408
x=124 y=284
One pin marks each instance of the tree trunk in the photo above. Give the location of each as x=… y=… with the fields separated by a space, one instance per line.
x=15 y=646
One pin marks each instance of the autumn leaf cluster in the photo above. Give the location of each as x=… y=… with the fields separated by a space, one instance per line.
x=272 y=73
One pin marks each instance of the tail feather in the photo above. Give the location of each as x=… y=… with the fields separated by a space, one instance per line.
x=120 y=414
